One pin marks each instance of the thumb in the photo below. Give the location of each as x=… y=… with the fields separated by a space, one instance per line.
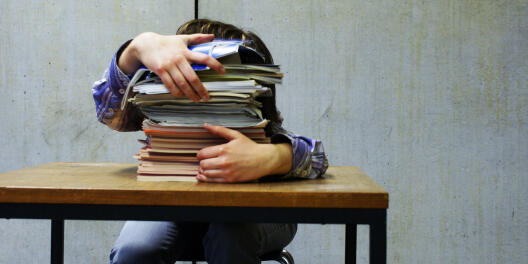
x=224 y=132
x=198 y=38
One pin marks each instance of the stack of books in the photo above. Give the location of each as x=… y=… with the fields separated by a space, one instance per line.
x=174 y=125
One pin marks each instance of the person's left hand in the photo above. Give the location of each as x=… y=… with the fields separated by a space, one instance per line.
x=241 y=159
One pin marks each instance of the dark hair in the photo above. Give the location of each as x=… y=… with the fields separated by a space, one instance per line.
x=228 y=31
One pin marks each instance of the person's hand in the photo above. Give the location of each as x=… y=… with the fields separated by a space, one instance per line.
x=241 y=159
x=170 y=58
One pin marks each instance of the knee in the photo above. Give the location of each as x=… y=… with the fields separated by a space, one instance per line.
x=232 y=243
x=233 y=233
x=132 y=252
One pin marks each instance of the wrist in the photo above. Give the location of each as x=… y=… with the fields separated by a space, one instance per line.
x=129 y=61
x=281 y=158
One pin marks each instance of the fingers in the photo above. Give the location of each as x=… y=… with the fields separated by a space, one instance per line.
x=213 y=173
x=182 y=84
x=201 y=176
x=210 y=152
x=193 y=79
x=200 y=58
x=172 y=63
x=212 y=164
x=177 y=78
x=224 y=132
x=182 y=74
x=169 y=83
x=204 y=178
x=198 y=38
x=213 y=168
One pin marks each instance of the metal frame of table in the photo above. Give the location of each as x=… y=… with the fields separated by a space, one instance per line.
x=375 y=218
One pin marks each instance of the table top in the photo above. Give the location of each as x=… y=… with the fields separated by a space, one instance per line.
x=116 y=184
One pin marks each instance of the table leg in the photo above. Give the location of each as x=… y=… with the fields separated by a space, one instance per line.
x=350 y=243
x=378 y=239
x=57 y=241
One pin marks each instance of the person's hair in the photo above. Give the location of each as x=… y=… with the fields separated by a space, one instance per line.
x=227 y=31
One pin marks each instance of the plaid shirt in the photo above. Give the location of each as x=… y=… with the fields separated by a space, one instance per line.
x=309 y=159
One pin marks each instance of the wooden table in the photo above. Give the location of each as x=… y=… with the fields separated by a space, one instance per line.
x=109 y=191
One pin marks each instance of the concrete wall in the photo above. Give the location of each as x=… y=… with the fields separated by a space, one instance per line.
x=429 y=97
x=51 y=52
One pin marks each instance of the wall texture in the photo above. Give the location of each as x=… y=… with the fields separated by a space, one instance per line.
x=429 y=97
x=51 y=52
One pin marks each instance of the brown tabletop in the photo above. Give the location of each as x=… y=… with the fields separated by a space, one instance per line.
x=116 y=184
x=110 y=191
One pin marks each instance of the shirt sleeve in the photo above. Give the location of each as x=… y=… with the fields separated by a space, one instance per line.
x=309 y=158
x=108 y=93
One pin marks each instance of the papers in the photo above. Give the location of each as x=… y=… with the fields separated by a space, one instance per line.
x=154 y=86
x=174 y=125
x=228 y=52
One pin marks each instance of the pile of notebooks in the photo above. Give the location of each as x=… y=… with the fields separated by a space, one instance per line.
x=174 y=125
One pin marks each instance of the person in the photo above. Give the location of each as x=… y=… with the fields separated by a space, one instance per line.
x=239 y=160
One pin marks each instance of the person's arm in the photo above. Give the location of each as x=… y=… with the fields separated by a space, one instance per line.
x=309 y=159
x=241 y=159
x=167 y=56
x=108 y=93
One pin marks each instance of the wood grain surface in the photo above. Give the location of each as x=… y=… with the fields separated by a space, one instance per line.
x=116 y=184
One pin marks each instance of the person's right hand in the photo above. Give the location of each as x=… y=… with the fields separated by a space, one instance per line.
x=169 y=57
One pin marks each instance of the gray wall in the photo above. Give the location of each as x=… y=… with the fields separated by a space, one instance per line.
x=430 y=98
x=51 y=52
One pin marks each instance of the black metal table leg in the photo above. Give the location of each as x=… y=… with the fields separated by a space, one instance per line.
x=350 y=243
x=378 y=240
x=57 y=241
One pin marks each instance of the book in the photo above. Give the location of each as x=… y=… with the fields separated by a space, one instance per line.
x=173 y=126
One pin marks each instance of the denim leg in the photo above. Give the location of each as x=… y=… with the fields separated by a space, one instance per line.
x=244 y=243
x=155 y=242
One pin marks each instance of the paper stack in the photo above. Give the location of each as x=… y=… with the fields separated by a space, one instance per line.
x=174 y=125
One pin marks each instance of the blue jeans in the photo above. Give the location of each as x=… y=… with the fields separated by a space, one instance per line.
x=221 y=243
